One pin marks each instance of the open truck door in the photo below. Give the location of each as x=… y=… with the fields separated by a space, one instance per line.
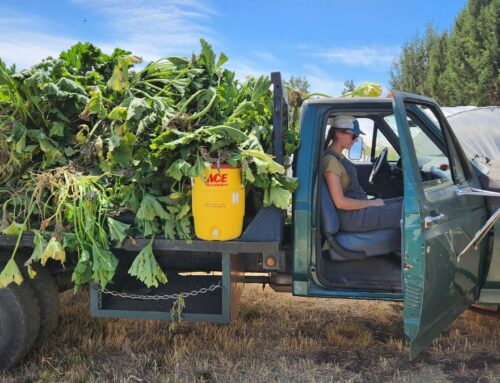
x=439 y=222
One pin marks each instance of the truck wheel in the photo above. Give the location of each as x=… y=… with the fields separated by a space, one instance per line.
x=19 y=323
x=47 y=295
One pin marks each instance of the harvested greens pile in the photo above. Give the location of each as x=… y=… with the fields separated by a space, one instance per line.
x=86 y=140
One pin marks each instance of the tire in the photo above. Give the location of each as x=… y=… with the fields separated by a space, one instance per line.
x=19 y=323
x=47 y=295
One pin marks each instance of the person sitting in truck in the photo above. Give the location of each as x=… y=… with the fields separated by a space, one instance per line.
x=356 y=212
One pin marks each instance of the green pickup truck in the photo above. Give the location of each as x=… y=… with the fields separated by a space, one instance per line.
x=445 y=258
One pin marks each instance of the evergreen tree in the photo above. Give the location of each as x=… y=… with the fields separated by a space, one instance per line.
x=410 y=71
x=473 y=55
x=437 y=68
x=456 y=68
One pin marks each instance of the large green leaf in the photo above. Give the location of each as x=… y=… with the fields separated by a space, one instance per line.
x=265 y=161
x=136 y=109
x=279 y=197
x=169 y=227
x=120 y=79
x=121 y=148
x=57 y=129
x=95 y=106
x=146 y=268
x=261 y=87
x=10 y=274
x=40 y=245
x=118 y=113
x=13 y=229
x=54 y=250
x=83 y=270
x=117 y=231
x=207 y=57
x=366 y=89
x=103 y=266
x=222 y=60
x=199 y=168
x=178 y=169
x=227 y=131
x=151 y=208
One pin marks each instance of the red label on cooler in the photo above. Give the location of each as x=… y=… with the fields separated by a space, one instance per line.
x=217 y=179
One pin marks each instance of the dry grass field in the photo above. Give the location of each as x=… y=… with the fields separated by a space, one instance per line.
x=277 y=338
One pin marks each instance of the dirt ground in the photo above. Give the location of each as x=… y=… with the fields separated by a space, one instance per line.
x=276 y=338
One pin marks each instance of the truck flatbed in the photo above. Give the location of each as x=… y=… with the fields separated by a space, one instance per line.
x=162 y=244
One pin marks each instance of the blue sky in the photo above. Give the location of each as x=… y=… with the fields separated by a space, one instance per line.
x=328 y=42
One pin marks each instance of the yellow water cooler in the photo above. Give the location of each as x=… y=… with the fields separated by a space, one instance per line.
x=219 y=204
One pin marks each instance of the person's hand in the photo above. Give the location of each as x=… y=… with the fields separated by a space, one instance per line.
x=377 y=202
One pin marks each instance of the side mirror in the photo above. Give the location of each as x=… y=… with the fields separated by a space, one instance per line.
x=356 y=151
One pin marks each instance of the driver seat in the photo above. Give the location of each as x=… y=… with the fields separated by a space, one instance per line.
x=344 y=246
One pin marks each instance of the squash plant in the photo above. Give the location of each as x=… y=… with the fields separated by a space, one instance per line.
x=85 y=140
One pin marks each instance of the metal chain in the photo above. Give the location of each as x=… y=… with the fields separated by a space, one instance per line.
x=167 y=297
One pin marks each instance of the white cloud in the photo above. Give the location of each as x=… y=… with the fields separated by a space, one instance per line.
x=33 y=49
x=244 y=67
x=264 y=56
x=148 y=29
x=364 y=56
x=23 y=42
x=154 y=29
x=321 y=81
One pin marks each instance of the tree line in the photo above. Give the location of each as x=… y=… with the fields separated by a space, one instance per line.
x=459 y=67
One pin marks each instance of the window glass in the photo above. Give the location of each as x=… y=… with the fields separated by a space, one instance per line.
x=366 y=126
x=458 y=166
x=438 y=167
x=382 y=142
x=391 y=121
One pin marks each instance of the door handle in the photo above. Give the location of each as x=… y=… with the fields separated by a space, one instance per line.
x=432 y=220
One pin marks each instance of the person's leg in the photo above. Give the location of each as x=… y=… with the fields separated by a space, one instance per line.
x=373 y=218
x=393 y=200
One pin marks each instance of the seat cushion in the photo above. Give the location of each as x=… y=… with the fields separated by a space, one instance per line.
x=371 y=243
x=328 y=213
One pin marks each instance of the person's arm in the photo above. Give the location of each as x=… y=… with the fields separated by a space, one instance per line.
x=341 y=201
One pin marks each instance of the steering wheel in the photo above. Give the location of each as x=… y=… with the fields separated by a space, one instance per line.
x=379 y=162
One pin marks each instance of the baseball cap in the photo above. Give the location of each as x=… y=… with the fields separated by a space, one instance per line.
x=347 y=123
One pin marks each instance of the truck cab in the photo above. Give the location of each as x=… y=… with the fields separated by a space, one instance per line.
x=431 y=265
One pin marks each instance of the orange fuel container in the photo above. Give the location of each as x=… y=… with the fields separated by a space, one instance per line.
x=218 y=204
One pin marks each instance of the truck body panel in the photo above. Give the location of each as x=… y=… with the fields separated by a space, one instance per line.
x=303 y=200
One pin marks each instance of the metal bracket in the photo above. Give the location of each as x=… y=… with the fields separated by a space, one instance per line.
x=481 y=233
x=478 y=192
